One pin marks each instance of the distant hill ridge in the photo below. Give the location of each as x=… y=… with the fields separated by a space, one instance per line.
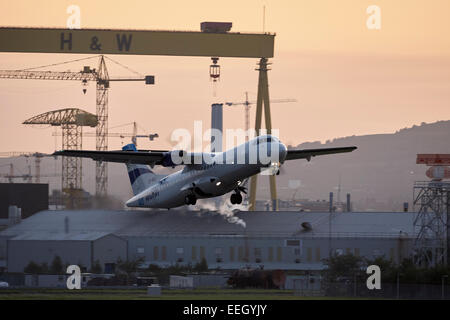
x=380 y=173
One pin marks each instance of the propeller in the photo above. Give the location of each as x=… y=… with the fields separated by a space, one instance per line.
x=243 y=186
x=242 y=189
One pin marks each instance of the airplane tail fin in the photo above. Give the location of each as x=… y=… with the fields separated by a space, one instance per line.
x=141 y=177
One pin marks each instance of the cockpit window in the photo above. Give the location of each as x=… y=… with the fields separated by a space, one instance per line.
x=265 y=139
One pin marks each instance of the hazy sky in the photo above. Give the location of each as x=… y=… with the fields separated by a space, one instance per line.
x=347 y=79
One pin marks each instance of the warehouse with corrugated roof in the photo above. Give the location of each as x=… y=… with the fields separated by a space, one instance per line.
x=270 y=240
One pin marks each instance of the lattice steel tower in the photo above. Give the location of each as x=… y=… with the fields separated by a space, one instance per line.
x=71 y=121
x=101 y=168
x=432 y=200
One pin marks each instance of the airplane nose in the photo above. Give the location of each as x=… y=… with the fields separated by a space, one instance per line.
x=131 y=202
x=283 y=152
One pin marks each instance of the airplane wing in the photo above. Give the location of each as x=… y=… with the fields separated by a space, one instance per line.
x=162 y=157
x=308 y=153
x=135 y=157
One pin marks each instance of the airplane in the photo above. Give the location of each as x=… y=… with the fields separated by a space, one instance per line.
x=205 y=175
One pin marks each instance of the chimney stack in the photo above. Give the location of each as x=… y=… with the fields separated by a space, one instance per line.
x=216 y=127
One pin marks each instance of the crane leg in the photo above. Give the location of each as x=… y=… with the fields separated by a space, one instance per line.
x=268 y=119
x=263 y=98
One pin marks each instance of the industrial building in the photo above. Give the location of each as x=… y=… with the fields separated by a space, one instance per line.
x=260 y=239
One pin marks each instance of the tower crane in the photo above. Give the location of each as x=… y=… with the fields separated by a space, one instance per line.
x=102 y=79
x=37 y=162
x=247 y=105
x=11 y=175
x=121 y=135
x=26 y=177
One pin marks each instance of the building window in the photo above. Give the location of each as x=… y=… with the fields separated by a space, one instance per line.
x=231 y=253
x=339 y=252
x=155 y=253
x=241 y=254
x=218 y=252
x=309 y=254
x=318 y=258
x=270 y=254
x=257 y=255
x=194 y=253
x=140 y=250
x=163 y=253
x=279 y=254
x=357 y=252
x=110 y=268
x=348 y=251
x=180 y=250
x=202 y=253
x=292 y=243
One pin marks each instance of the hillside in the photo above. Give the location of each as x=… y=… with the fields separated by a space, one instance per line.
x=379 y=175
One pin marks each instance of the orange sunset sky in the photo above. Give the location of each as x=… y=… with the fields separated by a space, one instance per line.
x=348 y=80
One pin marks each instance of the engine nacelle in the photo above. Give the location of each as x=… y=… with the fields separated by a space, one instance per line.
x=205 y=186
x=206 y=182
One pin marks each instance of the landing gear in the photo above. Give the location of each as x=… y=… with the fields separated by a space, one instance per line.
x=236 y=198
x=190 y=199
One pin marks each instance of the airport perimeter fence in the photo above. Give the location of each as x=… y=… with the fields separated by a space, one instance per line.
x=387 y=291
x=322 y=289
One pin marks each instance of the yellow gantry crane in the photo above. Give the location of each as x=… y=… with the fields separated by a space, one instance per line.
x=102 y=79
x=210 y=41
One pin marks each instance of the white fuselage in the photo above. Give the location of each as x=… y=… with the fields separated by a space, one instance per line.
x=211 y=178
